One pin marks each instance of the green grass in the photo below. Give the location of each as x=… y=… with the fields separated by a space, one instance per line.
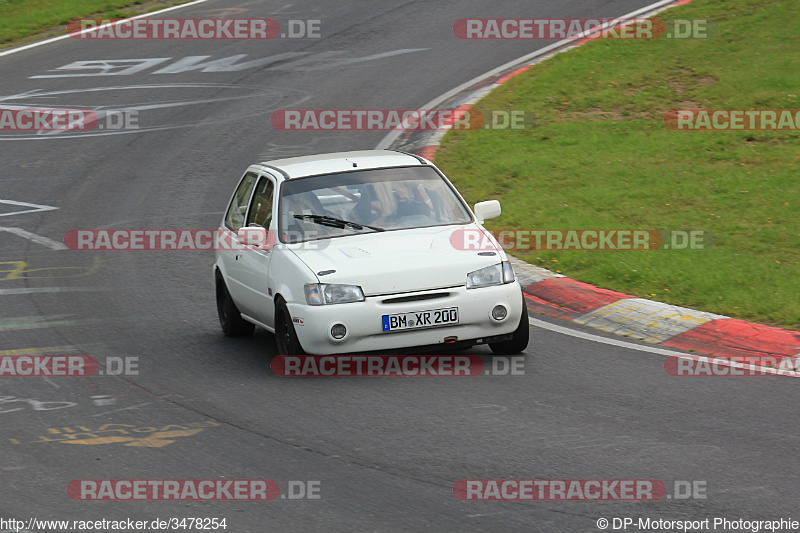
x=601 y=157
x=20 y=19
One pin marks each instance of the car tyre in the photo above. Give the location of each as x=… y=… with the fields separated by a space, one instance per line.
x=519 y=340
x=230 y=320
x=286 y=340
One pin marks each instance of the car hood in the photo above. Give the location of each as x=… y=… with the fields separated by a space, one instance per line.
x=396 y=261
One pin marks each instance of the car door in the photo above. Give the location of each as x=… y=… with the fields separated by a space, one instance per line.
x=235 y=218
x=258 y=301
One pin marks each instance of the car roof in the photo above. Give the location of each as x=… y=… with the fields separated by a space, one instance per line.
x=310 y=165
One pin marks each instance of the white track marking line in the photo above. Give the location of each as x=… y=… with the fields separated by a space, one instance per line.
x=660 y=351
x=122 y=409
x=25 y=204
x=38 y=239
x=605 y=340
x=67 y=36
x=433 y=104
x=19 y=323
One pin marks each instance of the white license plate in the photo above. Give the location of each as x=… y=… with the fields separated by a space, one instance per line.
x=420 y=319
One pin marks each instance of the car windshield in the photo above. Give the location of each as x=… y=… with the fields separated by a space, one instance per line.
x=363 y=201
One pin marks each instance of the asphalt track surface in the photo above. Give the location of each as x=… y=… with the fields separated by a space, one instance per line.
x=386 y=451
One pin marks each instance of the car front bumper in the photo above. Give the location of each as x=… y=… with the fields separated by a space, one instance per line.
x=363 y=320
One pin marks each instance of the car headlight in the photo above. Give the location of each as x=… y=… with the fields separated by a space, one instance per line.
x=327 y=293
x=492 y=275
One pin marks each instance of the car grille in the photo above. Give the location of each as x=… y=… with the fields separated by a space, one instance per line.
x=415 y=298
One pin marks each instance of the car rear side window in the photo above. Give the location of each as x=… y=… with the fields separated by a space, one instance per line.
x=234 y=218
x=261 y=208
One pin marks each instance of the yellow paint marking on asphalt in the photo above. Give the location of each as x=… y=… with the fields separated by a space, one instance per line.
x=696 y=320
x=13 y=272
x=52 y=350
x=649 y=321
x=100 y=440
x=125 y=434
x=614 y=309
x=224 y=12
x=44 y=290
x=20 y=270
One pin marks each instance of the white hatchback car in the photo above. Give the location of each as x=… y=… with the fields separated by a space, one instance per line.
x=356 y=256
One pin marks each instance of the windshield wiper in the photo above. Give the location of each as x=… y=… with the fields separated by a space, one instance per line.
x=336 y=222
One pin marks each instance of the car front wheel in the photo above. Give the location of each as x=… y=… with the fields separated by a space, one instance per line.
x=286 y=339
x=519 y=340
x=230 y=320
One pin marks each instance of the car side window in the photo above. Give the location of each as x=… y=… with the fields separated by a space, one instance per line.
x=234 y=218
x=261 y=207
